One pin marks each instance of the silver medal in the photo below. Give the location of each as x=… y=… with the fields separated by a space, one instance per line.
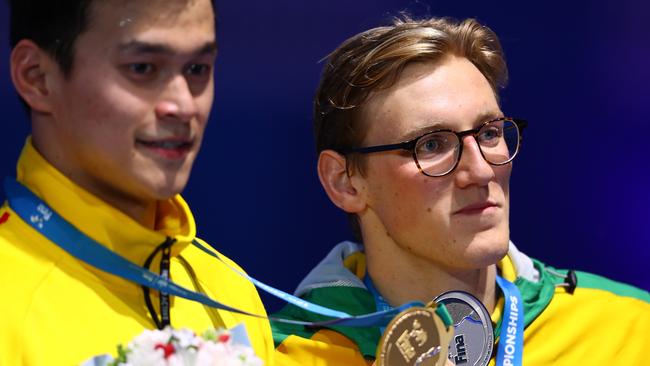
x=473 y=335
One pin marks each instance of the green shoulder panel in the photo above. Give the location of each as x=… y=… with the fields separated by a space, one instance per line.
x=589 y=280
x=352 y=300
x=283 y=330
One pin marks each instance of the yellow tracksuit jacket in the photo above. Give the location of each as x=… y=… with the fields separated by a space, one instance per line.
x=56 y=310
x=602 y=323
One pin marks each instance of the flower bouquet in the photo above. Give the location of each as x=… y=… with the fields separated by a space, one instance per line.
x=182 y=347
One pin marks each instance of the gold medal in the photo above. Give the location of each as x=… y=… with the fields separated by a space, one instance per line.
x=416 y=336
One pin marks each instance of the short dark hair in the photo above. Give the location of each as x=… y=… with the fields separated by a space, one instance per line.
x=53 y=25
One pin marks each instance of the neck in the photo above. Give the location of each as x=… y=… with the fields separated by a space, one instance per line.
x=402 y=277
x=141 y=210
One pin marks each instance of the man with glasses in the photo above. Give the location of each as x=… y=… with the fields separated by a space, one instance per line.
x=414 y=146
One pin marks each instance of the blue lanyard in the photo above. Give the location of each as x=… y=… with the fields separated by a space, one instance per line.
x=511 y=344
x=50 y=224
x=380 y=302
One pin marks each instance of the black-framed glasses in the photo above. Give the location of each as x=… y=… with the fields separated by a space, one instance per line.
x=438 y=152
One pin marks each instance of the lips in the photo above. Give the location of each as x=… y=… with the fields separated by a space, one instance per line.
x=170 y=148
x=476 y=208
x=165 y=144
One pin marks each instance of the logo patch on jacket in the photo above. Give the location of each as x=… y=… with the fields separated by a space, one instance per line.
x=4 y=218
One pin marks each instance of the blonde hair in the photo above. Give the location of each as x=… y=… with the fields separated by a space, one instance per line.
x=374 y=59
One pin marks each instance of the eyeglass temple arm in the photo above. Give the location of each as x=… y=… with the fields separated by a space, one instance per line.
x=408 y=145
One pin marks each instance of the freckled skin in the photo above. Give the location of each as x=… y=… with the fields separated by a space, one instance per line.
x=417 y=210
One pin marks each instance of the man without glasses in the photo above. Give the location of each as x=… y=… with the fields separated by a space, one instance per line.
x=119 y=93
x=414 y=146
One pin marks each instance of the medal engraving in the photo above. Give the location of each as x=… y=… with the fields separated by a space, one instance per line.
x=414 y=337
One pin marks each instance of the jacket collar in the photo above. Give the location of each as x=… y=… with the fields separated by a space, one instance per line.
x=101 y=222
x=337 y=274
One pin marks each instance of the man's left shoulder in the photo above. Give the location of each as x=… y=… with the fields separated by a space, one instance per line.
x=219 y=273
x=602 y=287
x=596 y=299
x=204 y=254
x=581 y=299
x=601 y=320
x=574 y=285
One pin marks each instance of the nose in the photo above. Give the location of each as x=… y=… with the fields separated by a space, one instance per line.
x=177 y=101
x=472 y=168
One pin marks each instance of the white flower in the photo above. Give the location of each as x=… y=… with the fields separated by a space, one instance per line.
x=184 y=348
x=226 y=354
x=186 y=338
x=145 y=349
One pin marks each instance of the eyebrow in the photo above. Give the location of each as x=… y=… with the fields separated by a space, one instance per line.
x=488 y=116
x=140 y=47
x=416 y=132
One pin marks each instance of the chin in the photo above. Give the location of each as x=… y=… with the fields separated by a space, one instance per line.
x=167 y=192
x=163 y=189
x=496 y=254
x=484 y=253
x=165 y=184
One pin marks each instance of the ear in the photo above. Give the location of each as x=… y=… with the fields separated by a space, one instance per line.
x=29 y=68
x=344 y=190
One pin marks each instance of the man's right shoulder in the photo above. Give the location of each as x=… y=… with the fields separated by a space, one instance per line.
x=24 y=264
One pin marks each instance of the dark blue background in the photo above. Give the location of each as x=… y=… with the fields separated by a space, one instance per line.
x=578 y=72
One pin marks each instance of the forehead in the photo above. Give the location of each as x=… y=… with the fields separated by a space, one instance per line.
x=168 y=21
x=450 y=93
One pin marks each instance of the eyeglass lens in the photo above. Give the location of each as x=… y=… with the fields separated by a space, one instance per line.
x=438 y=152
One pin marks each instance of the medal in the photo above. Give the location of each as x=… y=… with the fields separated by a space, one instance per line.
x=473 y=336
x=416 y=336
